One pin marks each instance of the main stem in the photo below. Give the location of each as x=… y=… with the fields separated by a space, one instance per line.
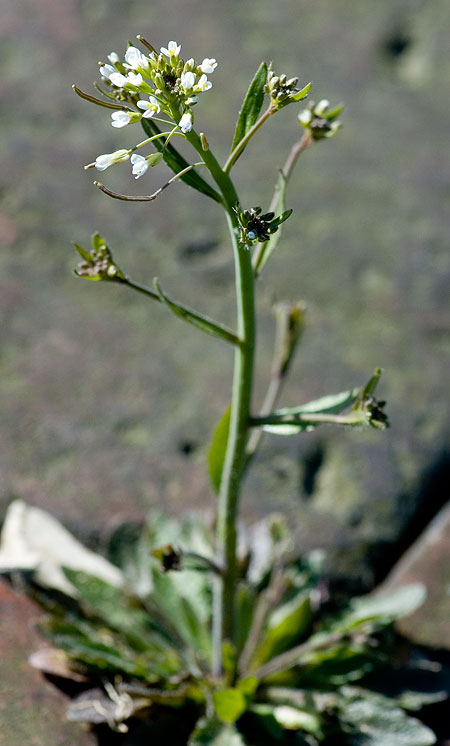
x=227 y=508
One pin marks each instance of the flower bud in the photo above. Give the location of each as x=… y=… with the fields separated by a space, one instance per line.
x=159 y=80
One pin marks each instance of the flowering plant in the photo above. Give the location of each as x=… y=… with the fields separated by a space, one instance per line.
x=239 y=638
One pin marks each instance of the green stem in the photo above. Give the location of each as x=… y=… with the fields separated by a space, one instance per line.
x=227 y=508
x=232 y=158
x=286 y=171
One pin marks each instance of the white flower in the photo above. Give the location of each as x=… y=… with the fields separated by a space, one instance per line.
x=321 y=107
x=117 y=79
x=139 y=165
x=107 y=70
x=102 y=162
x=185 y=123
x=305 y=117
x=208 y=65
x=187 y=80
x=172 y=50
x=113 y=58
x=122 y=80
x=135 y=59
x=135 y=79
x=120 y=118
x=150 y=107
x=203 y=84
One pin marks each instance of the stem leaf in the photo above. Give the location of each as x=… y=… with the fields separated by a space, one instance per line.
x=82 y=252
x=331 y=405
x=177 y=163
x=300 y=95
x=195 y=318
x=218 y=449
x=285 y=628
x=251 y=106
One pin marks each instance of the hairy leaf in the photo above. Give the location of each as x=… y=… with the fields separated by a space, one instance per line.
x=286 y=625
x=251 y=106
x=373 y=720
x=331 y=404
x=383 y=607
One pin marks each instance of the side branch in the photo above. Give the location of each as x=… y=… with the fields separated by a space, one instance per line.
x=146 y=197
x=195 y=318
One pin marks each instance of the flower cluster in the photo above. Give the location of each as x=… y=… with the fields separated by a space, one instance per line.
x=147 y=86
x=97 y=264
x=171 y=84
x=283 y=91
x=374 y=409
x=257 y=227
x=319 y=120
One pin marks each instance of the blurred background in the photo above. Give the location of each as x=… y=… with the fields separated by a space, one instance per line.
x=107 y=402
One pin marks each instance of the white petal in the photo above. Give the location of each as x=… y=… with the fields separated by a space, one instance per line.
x=139 y=165
x=135 y=59
x=155 y=103
x=321 y=107
x=113 y=57
x=203 y=84
x=185 y=123
x=132 y=56
x=134 y=79
x=208 y=65
x=118 y=79
x=120 y=118
x=102 y=162
x=187 y=80
x=305 y=116
x=107 y=70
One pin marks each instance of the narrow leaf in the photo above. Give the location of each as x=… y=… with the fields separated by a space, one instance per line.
x=286 y=625
x=195 y=318
x=300 y=95
x=82 y=252
x=371 y=385
x=374 y=721
x=330 y=404
x=98 y=242
x=177 y=163
x=251 y=106
x=217 y=451
x=384 y=607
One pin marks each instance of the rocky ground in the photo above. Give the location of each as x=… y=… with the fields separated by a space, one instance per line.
x=108 y=404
